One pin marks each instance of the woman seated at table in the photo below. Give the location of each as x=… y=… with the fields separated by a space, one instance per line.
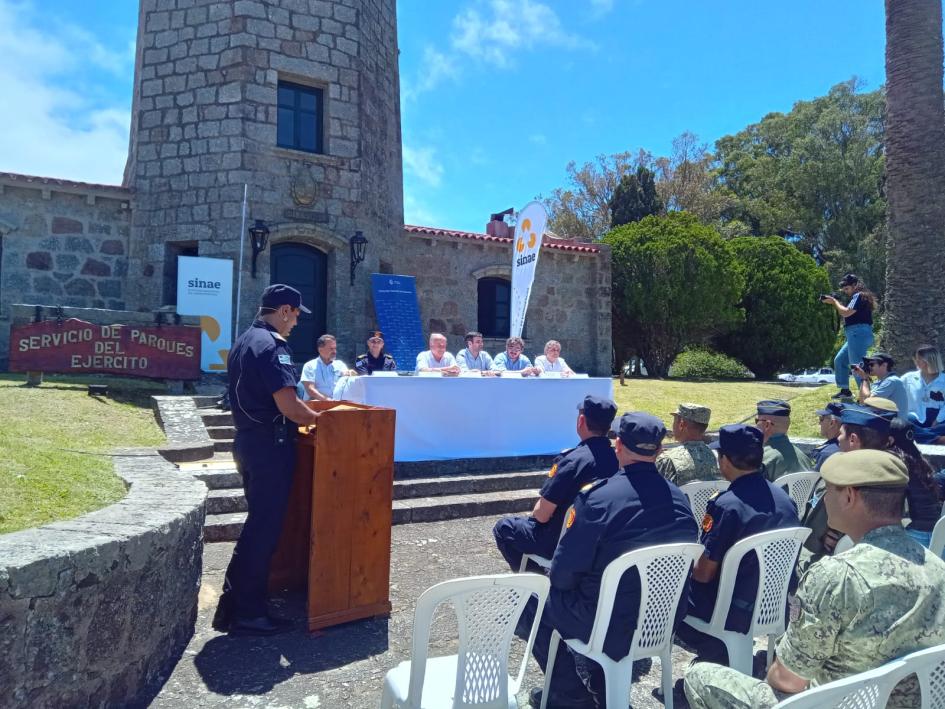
x=512 y=360
x=552 y=361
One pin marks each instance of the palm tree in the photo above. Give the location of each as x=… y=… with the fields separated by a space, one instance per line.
x=915 y=176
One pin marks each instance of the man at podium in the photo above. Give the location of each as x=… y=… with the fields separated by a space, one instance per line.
x=266 y=411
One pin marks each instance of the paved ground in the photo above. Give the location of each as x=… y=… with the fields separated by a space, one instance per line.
x=344 y=667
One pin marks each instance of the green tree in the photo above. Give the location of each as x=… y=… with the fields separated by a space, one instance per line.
x=675 y=283
x=635 y=198
x=785 y=326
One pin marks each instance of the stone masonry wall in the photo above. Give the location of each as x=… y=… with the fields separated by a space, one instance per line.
x=94 y=609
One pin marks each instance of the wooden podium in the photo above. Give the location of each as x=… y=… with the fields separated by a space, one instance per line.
x=336 y=538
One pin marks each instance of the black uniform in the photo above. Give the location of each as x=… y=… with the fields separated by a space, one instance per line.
x=750 y=505
x=635 y=508
x=367 y=364
x=259 y=365
x=824 y=451
x=592 y=459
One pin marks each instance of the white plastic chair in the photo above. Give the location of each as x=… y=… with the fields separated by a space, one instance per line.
x=487 y=610
x=843 y=544
x=663 y=572
x=866 y=690
x=777 y=552
x=699 y=493
x=937 y=544
x=799 y=486
x=540 y=560
x=929 y=666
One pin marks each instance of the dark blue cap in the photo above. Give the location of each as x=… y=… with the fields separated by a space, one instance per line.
x=598 y=411
x=858 y=415
x=739 y=440
x=774 y=407
x=833 y=408
x=640 y=432
x=279 y=294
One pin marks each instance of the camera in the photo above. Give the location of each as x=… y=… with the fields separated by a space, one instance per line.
x=865 y=365
x=824 y=296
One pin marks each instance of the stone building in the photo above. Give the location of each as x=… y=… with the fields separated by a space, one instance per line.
x=297 y=103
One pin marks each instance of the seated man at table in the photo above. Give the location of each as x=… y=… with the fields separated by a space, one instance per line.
x=375 y=359
x=592 y=459
x=636 y=507
x=320 y=375
x=512 y=360
x=552 y=361
x=473 y=357
x=437 y=359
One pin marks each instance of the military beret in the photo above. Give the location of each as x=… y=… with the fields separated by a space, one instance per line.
x=886 y=406
x=858 y=415
x=833 y=408
x=774 y=407
x=697 y=413
x=865 y=468
x=598 y=410
x=640 y=432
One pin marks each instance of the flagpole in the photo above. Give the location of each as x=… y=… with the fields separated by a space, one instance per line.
x=239 y=272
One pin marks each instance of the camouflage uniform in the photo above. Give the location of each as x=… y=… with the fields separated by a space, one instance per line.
x=693 y=460
x=783 y=457
x=882 y=599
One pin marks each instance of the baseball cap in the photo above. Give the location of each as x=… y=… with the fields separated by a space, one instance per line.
x=865 y=468
x=279 y=294
x=774 y=407
x=598 y=411
x=833 y=408
x=697 y=413
x=640 y=432
x=739 y=440
x=849 y=279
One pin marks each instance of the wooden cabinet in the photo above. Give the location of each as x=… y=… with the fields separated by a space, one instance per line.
x=336 y=538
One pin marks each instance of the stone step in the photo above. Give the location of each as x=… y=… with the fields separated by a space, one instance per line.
x=226 y=501
x=215 y=417
x=226 y=527
x=205 y=401
x=468 y=484
x=221 y=479
x=223 y=445
x=219 y=433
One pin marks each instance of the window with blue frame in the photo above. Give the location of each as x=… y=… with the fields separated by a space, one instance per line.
x=299 y=124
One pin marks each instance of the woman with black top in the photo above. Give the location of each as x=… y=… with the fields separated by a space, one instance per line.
x=922 y=495
x=857 y=317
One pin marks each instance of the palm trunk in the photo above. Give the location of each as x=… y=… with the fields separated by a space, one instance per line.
x=915 y=177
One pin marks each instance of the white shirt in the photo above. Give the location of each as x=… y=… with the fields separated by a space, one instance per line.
x=324 y=376
x=428 y=361
x=544 y=365
x=466 y=361
x=919 y=393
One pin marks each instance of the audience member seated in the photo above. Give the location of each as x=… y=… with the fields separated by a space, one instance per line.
x=635 y=508
x=829 y=418
x=592 y=459
x=474 y=357
x=887 y=385
x=923 y=499
x=926 y=392
x=552 y=361
x=375 y=359
x=692 y=459
x=750 y=505
x=781 y=456
x=512 y=360
x=878 y=601
x=320 y=375
x=437 y=359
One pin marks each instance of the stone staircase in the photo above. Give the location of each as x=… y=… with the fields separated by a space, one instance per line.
x=424 y=492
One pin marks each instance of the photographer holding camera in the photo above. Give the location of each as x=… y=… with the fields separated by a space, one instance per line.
x=857 y=317
x=886 y=384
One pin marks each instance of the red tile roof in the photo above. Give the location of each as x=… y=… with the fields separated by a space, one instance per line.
x=550 y=241
x=57 y=182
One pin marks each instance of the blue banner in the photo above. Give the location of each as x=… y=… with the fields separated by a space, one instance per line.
x=398 y=317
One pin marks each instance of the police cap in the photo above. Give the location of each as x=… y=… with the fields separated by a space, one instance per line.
x=865 y=468
x=774 y=407
x=598 y=411
x=279 y=294
x=375 y=335
x=833 y=408
x=867 y=416
x=739 y=440
x=640 y=432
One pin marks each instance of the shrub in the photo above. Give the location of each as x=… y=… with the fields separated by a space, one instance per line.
x=701 y=363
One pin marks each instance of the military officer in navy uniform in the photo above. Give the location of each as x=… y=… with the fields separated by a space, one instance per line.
x=592 y=459
x=266 y=412
x=634 y=508
x=750 y=505
x=829 y=418
x=375 y=359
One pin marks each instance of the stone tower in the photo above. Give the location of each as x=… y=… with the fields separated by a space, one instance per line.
x=299 y=101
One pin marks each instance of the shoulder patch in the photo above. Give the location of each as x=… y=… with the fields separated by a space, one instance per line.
x=571 y=515
x=707 y=523
x=591 y=485
x=716 y=494
x=554 y=469
x=285 y=359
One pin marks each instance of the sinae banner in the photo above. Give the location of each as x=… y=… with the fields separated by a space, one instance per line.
x=529 y=228
x=205 y=288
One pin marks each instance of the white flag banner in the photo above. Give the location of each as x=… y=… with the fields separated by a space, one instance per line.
x=529 y=229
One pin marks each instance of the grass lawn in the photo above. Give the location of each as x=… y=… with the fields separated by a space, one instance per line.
x=731 y=402
x=55 y=443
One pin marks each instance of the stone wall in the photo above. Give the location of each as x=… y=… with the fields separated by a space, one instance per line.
x=96 y=608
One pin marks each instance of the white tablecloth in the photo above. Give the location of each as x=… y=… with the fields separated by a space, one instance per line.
x=439 y=418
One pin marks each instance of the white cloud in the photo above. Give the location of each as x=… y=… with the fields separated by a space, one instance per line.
x=418 y=213
x=599 y=8
x=57 y=130
x=434 y=68
x=423 y=164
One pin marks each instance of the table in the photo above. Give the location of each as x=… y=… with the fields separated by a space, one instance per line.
x=443 y=418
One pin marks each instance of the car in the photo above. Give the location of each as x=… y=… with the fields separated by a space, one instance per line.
x=822 y=375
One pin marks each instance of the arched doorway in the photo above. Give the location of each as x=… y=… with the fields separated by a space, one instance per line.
x=305 y=268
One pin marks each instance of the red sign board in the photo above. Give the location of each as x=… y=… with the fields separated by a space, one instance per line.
x=75 y=346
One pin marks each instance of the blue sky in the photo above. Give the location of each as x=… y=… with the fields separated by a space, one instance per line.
x=497 y=95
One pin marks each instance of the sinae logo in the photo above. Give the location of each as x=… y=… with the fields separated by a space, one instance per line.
x=203 y=285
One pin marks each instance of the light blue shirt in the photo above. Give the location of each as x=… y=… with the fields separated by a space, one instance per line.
x=919 y=394
x=503 y=363
x=325 y=376
x=428 y=361
x=892 y=388
x=466 y=361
